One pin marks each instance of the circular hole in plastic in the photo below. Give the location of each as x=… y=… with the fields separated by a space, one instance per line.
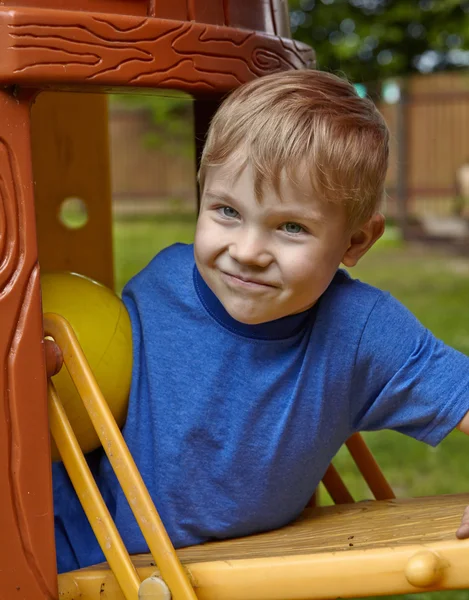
x=73 y=213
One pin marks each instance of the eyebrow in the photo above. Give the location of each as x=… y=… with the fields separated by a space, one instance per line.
x=293 y=214
x=220 y=196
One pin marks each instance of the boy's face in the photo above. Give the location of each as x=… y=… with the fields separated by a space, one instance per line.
x=269 y=259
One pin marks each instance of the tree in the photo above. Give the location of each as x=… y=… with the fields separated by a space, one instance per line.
x=374 y=39
x=170 y=119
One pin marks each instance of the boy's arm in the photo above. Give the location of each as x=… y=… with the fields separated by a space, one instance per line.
x=407 y=380
x=464 y=424
x=463 y=531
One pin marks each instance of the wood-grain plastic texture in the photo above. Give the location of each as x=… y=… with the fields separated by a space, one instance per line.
x=27 y=553
x=72 y=49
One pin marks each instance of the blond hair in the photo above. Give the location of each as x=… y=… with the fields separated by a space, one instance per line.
x=306 y=118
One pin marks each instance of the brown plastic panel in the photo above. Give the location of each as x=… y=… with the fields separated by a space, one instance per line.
x=56 y=49
x=206 y=12
x=70 y=150
x=124 y=7
x=269 y=15
x=173 y=9
x=27 y=552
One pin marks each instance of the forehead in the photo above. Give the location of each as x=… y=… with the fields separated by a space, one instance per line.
x=242 y=176
x=237 y=181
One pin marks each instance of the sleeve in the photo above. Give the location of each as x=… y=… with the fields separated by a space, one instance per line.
x=405 y=379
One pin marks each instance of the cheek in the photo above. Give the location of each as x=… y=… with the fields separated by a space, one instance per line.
x=302 y=275
x=199 y=245
x=310 y=269
x=205 y=240
x=298 y=266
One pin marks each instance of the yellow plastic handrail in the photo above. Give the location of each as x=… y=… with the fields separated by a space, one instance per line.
x=120 y=458
x=90 y=497
x=369 y=468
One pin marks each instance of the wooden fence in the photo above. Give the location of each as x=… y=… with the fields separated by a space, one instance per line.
x=430 y=141
x=147 y=178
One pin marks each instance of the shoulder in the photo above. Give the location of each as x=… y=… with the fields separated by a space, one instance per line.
x=166 y=283
x=356 y=297
x=349 y=300
x=367 y=316
x=382 y=331
x=344 y=285
x=161 y=295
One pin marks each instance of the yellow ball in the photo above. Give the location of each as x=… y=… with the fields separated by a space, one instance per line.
x=102 y=326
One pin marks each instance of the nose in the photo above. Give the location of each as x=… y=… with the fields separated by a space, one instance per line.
x=250 y=247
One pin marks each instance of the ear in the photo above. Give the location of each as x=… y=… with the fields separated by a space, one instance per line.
x=363 y=238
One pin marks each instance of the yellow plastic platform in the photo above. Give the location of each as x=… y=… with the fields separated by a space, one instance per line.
x=367 y=548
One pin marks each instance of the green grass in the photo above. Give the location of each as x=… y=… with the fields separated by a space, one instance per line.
x=434 y=286
x=136 y=241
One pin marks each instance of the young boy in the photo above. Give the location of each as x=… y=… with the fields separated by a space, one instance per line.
x=255 y=357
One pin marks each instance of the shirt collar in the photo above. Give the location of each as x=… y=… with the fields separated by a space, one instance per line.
x=279 y=329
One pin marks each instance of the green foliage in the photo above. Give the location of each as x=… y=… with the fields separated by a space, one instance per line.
x=370 y=40
x=170 y=120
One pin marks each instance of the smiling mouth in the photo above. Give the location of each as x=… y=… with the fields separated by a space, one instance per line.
x=246 y=282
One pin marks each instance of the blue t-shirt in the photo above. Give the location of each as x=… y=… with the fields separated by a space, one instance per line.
x=232 y=426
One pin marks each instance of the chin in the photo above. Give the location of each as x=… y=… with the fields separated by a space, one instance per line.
x=247 y=317
x=251 y=320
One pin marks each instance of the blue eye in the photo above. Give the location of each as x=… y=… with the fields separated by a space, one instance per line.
x=292 y=228
x=229 y=212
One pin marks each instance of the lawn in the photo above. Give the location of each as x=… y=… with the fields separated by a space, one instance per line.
x=136 y=241
x=433 y=285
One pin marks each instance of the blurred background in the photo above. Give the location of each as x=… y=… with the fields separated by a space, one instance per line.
x=411 y=57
